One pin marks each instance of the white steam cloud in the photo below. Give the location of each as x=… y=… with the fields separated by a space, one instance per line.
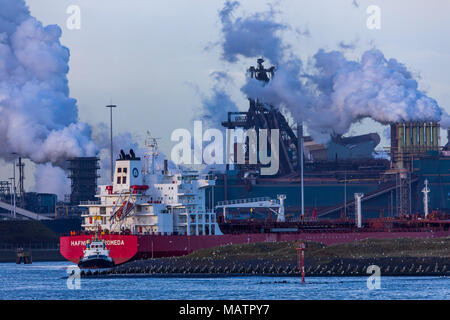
x=251 y=36
x=38 y=118
x=215 y=107
x=374 y=87
x=337 y=92
x=50 y=179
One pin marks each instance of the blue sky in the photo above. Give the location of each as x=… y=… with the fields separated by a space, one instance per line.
x=149 y=57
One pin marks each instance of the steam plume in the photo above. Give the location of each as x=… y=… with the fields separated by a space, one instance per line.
x=38 y=118
x=337 y=92
x=250 y=36
x=216 y=107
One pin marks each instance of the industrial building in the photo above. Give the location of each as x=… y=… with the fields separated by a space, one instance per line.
x=334 y=172
x=83 y=176
x=15 y=203
x=29 y=205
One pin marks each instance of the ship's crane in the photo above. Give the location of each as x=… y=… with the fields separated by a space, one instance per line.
x=123 y=207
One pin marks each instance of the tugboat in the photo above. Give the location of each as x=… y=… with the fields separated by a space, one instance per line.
x=96 y=255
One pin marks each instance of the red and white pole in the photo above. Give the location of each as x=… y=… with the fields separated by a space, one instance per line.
x=303 y=266
x=301 y=260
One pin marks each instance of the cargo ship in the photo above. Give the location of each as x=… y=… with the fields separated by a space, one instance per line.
x=330 y=193
x=151 y=213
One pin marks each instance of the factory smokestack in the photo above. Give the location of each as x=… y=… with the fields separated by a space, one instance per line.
x=411 y=139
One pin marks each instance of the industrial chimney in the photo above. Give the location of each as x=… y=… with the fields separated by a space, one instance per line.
x=411 y=139
x=83 y=176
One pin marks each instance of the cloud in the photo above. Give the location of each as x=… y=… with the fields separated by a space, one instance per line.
x=335 y=92
x=38 y=118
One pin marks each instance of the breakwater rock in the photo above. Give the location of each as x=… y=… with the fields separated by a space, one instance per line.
x=394 y=257
x=203 y=267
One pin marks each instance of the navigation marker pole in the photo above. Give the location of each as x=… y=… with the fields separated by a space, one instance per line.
x=301 y=259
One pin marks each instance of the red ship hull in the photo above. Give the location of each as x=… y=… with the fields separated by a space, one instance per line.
x=121 y=247
x=130 y=247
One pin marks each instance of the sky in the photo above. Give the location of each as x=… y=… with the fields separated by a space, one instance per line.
x=154 y=59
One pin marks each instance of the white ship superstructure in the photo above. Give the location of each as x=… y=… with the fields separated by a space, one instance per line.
x=145 y=200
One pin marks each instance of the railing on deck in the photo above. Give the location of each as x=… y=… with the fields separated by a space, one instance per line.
x=90 y=202
x=237 y=201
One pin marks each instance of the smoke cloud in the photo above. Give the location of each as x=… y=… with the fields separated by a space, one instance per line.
x=251 y=36
x=215 y=107
x=38 y=118
x=50 y=179
x=445 y=120
x=335 y=92
x=374 y=87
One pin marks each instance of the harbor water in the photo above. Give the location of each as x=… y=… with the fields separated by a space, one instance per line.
x=49 y=280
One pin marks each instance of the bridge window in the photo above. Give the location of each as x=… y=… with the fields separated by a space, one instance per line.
x=118 y=180
x=119 y=170
x=124 y=180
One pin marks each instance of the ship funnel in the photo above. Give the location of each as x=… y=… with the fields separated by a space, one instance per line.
x=127 y=173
